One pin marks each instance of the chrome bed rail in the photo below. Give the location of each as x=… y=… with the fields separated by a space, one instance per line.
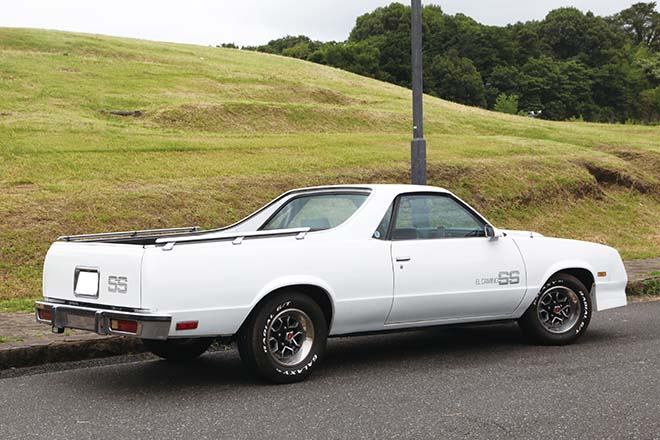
x=128 y=234
x=236 y=237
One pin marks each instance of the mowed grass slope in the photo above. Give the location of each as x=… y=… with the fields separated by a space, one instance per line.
x=223 y=131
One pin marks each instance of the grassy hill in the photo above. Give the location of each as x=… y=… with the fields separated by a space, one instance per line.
x=222 y=131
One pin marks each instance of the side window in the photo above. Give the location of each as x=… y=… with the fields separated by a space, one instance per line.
x=318 y=212
x=421 y=217
x=381 y=231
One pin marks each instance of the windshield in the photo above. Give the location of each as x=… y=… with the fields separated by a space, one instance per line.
x=316 y=211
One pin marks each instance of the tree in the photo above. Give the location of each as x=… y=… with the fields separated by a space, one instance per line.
x=302 y=50
x=562 y=89
x=388 y=30
x=642 y=23
x=279 y=45
x=527 y=42
x=394 y=18
x=360 y=58
x=569 y=33
x=455 y=78
x=571 y=64
x=507 y=104
x=649 y=105
x=649 y=63
x=502 y=80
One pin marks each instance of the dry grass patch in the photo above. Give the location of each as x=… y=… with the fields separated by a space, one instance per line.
x=246 y=117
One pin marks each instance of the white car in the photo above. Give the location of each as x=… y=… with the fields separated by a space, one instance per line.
x=326 y=261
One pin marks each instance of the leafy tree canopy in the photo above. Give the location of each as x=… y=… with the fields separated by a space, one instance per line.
x=570 y=65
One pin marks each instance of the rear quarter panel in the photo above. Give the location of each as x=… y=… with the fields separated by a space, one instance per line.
x=218 y=283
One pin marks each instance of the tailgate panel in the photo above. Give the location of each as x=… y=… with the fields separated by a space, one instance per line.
x=119 y=269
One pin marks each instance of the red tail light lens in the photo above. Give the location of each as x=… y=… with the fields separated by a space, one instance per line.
x=187 y=325
x=45 y=314
x=121 y=325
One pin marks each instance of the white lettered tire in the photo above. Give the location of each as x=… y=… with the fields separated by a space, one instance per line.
x=560 y=314
x=284 y=340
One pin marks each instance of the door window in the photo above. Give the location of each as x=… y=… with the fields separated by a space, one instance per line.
x=423 y=217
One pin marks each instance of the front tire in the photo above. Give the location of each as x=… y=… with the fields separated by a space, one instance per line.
x=178 y=350
x=560 y=314
x=284 y=340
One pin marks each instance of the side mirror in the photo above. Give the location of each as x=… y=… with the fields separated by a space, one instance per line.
x=493 y=233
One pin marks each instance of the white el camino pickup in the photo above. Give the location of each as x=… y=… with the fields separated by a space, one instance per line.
x=326 y=261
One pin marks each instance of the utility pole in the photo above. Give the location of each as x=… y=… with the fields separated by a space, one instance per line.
x=418 y=144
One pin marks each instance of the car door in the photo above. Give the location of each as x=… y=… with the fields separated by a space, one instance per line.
x=445 y=267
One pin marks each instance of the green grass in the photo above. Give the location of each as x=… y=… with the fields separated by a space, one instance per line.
x=224 y=131
x=17 y=305
x=5 y=339
x=648 y=287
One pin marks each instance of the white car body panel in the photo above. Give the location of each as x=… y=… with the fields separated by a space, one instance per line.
x=112 y=259
x=546 y=256
x=216 y=280
x=433 y=287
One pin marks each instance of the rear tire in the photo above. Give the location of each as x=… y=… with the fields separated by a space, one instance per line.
x=560 y=314
x=178 y=350
x=284 y=340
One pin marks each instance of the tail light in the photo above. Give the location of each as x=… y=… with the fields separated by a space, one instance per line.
x=125 y=326
x=45 y=314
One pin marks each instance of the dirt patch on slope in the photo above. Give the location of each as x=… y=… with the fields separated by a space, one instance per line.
x=609 y=176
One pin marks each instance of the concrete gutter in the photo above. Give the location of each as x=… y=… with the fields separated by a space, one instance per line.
x=68 y=351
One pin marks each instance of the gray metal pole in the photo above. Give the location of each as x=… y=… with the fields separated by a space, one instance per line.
x=418 y=144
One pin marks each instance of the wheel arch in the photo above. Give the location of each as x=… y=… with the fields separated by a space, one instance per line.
x=585 y=276
x=317 y=291
x=580 y=270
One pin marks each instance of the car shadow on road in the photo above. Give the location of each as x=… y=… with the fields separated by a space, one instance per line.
x=436 y=348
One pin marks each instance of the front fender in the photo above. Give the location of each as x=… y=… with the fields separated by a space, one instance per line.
x=545 y=257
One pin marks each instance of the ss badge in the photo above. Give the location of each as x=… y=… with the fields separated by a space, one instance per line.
x=117 y=284
x=504 y=278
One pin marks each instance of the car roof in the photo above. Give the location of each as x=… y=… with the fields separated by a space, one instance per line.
x=390 y=188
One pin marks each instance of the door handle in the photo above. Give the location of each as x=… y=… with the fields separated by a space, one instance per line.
x=402 y=259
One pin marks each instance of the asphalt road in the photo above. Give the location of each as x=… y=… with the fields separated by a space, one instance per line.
x=460 y=382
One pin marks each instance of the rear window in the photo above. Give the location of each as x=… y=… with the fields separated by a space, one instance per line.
x=317 y=212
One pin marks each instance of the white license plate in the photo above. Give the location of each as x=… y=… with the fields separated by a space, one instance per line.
x=87 y=282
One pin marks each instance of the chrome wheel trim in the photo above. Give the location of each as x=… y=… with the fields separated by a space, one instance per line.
x=558 y=309
x=290 y=337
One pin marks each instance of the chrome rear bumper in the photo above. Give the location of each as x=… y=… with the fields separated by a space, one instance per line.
x=149 y=326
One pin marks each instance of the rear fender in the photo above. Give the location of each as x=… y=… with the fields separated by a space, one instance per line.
x=293 y=280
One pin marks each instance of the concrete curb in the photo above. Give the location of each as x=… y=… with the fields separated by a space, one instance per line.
x=69 y=351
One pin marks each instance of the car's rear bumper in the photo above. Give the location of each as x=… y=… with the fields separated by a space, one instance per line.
x=103 y=321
